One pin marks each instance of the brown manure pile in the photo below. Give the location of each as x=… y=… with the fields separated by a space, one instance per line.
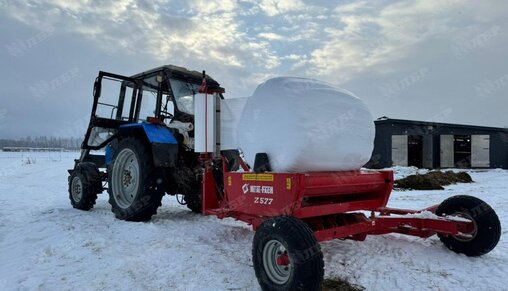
x=434 y=180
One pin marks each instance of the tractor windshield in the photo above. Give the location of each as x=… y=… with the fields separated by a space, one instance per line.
x=184 y=95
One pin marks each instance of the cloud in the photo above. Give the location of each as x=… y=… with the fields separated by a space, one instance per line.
x=275 y=7
x=270 y=36
x=196 y=34
x=201 y=30
x=341 y=41
x=352 y=7
x=369 y=35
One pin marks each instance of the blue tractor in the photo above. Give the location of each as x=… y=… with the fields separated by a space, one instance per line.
x=139 y=142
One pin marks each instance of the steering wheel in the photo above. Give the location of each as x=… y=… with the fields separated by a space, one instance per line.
x=166 y=115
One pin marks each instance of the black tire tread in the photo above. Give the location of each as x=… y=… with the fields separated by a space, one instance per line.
x=194 y=202
x=300 y=238
x=91 y=183
x=189 y=187
x=489 y=227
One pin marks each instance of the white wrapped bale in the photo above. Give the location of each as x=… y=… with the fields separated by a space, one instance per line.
x=306 y=125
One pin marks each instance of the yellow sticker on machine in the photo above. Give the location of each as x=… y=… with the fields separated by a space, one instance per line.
x=258 y=177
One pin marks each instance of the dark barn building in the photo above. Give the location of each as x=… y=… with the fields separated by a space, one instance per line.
x=438 y=145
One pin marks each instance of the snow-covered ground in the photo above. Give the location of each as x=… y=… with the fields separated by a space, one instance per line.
x=45 y=244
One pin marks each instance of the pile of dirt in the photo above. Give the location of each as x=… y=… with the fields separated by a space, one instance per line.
x=434 y=180
x=340 y=285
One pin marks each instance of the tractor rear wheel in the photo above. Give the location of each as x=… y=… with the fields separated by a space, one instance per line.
x=487 y=228
x=194 y=201
x=194 y=198
x=136 y=186
x=84 y=185
x=287 y=256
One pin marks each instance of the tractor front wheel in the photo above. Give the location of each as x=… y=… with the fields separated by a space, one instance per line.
x=135 y=184
x=287 y=256
x=84 y=185
x=485 y=233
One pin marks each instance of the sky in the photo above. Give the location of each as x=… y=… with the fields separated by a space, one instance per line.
x=443 y=61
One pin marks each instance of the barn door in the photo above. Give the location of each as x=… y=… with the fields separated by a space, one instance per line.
x=480 y=151
x=446 y=151
x=399 y=150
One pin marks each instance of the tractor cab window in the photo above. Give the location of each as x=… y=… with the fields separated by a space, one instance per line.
x=99 y=135
x=150 y=90
x=115 y=98
x=149 y=99
x=184 y=94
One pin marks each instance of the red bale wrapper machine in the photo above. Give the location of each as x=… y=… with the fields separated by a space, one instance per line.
x=292 y=212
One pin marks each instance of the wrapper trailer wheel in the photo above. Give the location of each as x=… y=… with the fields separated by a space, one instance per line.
x=485 y=233
x=287 y=256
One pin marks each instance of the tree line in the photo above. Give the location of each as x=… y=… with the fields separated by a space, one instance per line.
x=71 y=143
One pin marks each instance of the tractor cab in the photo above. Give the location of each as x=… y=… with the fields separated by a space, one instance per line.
x=164 y=95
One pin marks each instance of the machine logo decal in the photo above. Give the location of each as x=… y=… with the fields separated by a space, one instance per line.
x=257 y=189
x=245 y=188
